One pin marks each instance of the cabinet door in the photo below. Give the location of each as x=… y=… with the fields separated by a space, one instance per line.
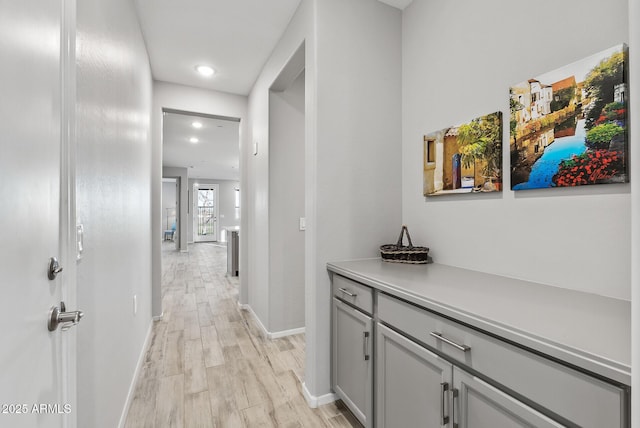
x=479 y=405
x=412 y=383
x=352 y=367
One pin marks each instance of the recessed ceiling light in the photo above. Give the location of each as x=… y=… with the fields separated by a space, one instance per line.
x=197 y=125
x=193 y=140
x=205 y=70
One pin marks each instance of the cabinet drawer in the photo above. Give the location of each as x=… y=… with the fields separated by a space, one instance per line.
x=571 y=394
x=353 y=292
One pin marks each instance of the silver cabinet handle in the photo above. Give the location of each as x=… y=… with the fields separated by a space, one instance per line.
x=444 y=387
x=454 y=395
x=347 y=292
x=463 y=348
x=365 y=345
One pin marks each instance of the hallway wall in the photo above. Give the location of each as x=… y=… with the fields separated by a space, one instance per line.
x=113 y=203
x=352 y=154
x=460 y=66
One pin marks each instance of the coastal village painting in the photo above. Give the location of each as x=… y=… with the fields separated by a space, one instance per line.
x=464 y=159
x=568 y=126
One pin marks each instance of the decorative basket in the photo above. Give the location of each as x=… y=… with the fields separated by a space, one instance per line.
x=398 y=253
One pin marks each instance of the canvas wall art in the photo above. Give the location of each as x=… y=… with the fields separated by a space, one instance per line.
x=568 y=126
x=465 y=158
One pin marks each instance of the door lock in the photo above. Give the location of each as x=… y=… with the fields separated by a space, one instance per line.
x=59 y=316
x=54 y=268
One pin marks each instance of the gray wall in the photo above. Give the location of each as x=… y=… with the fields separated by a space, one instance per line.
x=457 y=66
x=634 y=67
x=113 y=202
x=228 y=214
x=286 y=206
x=358 y=184
x=352 y=154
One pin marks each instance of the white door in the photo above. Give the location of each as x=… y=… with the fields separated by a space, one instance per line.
x=35 y=364
x=205 y=212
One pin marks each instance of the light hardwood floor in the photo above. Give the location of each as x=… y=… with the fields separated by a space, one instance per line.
x=208 y=364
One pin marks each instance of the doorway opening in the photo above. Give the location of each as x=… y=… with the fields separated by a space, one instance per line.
x=202 y=152
x=287 y=199
x=170 y=191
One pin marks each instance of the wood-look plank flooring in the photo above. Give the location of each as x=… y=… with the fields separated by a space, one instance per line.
x=208 y=364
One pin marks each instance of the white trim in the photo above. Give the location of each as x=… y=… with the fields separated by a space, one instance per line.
x=68 y=217
x=321 y=400
x=159 y=317
x=136 y=375
x=266 y=333
x=284 y=333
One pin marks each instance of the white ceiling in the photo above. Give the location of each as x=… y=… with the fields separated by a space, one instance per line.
x=400 y=4
x=235 y=37
x=216 y=155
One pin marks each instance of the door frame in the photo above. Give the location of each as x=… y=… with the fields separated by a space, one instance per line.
x=69 y=249
x=194 y=193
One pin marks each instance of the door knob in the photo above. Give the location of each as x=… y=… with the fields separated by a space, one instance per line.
x=59 y=316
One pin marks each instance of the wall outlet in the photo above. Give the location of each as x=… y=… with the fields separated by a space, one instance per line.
x=135 y=304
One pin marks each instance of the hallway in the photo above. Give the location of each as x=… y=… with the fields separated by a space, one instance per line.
x=208 y=365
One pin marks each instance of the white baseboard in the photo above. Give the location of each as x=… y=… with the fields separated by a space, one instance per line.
x=284 y=333
x=159 y=317
x=317 y=401
x=136 y=375
x=268 y=334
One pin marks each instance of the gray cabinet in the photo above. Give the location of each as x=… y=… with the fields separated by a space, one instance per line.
x=352 y=364
x=477 y=404
x=412 y=384
x=432 y=370
x=417 y=388
x=570 y=394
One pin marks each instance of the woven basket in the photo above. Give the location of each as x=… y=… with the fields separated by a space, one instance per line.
x=398 y=253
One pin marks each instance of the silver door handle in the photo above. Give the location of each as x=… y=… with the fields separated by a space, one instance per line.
x=347 y=292
x=59 y=316
x=463 y=348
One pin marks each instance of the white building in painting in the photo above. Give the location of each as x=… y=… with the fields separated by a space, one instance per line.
x=541 y=97
x=620 y=93
x=533 y=98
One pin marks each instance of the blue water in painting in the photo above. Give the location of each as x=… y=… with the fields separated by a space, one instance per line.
x=547 y=166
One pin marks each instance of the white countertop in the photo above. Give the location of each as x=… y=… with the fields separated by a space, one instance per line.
x=589 y=331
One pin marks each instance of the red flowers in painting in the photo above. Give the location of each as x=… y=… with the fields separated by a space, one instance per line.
x=589 y=168
x=611 y=115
